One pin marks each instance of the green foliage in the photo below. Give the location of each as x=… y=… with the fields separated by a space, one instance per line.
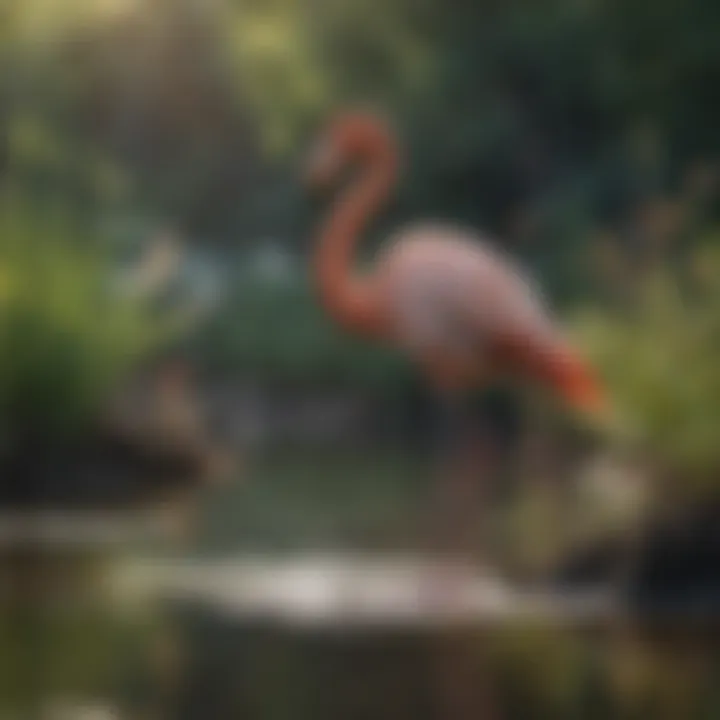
x=517 y=117
x=659 y=357
x=278 y=332
x=294 y=60
x=66 y=338
x=501 y=105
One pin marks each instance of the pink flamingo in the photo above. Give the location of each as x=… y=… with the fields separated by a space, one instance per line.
x=458 y=307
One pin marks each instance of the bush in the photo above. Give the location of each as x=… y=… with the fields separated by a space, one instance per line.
x=659 y=356
x=66 y=338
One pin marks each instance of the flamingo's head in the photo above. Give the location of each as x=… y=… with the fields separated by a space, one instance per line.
x=349 y=136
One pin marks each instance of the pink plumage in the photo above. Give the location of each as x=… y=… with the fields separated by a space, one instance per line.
x=452 y=300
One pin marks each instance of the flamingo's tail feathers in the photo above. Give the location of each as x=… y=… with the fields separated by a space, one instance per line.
x=560 y=369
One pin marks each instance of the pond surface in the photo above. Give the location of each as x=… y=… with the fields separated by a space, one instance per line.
x=240 y=664
x=192 y=658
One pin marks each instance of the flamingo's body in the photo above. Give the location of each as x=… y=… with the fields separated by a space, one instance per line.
x=455 y=304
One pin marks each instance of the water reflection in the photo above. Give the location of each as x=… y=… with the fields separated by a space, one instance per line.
x=516 y=658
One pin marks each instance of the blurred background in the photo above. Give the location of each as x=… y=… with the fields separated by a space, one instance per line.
x=170 y=388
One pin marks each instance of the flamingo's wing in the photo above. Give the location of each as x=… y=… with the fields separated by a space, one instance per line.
x=461 y=304
x=449 y=290
x=420 y=284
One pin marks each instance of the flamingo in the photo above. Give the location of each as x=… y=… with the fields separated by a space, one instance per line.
x=449 y=298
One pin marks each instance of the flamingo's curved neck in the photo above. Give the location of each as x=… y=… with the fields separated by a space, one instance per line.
x=346 y=294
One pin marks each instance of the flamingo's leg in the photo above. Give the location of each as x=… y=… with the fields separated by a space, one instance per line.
x=461 y=477
x=452 y=428
x=454 y=484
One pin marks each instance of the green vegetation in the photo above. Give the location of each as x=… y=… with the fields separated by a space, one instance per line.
x=659 y=355
x=305 y=347
x=67 y=338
